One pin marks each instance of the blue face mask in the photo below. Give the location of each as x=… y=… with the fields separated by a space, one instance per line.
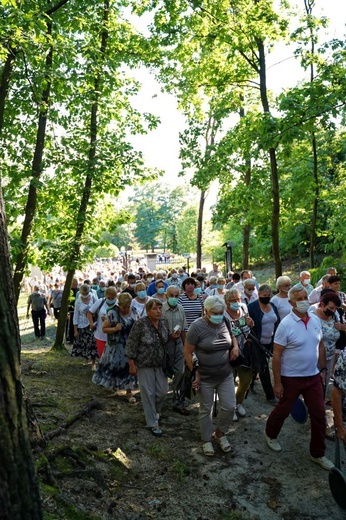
x=198 y=290
x=160 y=290
x=172 y=302
x=142 y=294
x=95 y=287
x=213 y=286
x=216 y=318
x=102 y=289
x=235 y=306
x=220 y=286
x=110 y=302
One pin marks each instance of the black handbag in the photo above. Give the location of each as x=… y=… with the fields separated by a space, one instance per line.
x=341 y=342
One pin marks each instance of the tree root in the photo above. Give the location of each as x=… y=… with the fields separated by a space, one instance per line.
x=62 y=429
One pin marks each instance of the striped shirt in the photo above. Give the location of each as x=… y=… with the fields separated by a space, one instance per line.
x=193 y=308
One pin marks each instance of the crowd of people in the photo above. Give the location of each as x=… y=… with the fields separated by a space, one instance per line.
x=211 y=334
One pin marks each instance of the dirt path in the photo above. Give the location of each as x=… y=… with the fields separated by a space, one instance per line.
x=106 y=465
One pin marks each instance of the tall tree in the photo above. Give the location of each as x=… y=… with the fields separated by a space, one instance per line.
x=227 y=41
x=19 y=494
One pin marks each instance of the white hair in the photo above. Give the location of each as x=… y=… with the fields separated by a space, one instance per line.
x=215 y=303
x=304 y=272
x=282 y=280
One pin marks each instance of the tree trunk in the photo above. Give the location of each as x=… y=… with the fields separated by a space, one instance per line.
x=308 y=8
x=19 y=495
x=200 y=229
x=31 y=203
x=246 y=227
x=315 y=203
x=275 y=220
x=61 y=327
x=83 y=208
x=5 y=82
x=246 y=246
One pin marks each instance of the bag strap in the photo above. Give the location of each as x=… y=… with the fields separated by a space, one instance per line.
x=99 y=307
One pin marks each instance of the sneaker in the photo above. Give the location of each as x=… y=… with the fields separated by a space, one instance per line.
x=323 y=462
x=235 y=417
x=272 y=443
x=273 y=401
x=241 y=410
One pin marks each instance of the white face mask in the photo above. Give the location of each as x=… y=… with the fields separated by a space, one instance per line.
x=307 y=281
x=303 y=306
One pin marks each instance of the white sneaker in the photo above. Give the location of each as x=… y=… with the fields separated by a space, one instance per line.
x=235 y=417
x=272 y=443
x=241 y=410
x=323 y=462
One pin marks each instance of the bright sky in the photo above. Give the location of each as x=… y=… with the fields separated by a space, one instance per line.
x=161 y=147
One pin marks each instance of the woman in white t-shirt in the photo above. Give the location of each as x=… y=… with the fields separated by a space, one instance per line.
x=138 y=303
x=101 y=307
x=280 y=300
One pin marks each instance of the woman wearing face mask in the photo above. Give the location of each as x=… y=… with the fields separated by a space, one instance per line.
x=220 y=288
x=212 y=285
x=141 y=299
x=113 y=368
x=240 y=323
x=160 y=290
x=100 y=308
x=210 y=340
x=266 y=319
x=249 y=293
x=84 y=344
x=148 y=278
x=191 y=302
x=280 y=300
x=331 y=326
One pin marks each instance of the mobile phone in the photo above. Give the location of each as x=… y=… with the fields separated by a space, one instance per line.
x=176 y=328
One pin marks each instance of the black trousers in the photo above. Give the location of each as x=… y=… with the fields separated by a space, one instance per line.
x=39 y=321
x=265 y=375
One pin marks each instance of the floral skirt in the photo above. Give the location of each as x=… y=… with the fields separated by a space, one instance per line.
x=85 y=344
x=113 y=369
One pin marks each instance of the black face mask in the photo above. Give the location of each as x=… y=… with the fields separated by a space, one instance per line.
x=328 y=312
x=264 y=299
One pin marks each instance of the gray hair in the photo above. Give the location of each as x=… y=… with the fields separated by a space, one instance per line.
x=213 y=279
x=215 y=303
x=264 y=288
x=85 y=288
x=325 y=278
x=294 y=290
x=153 y=301
x=249 y=281
x=282 y=280
x=231 y=293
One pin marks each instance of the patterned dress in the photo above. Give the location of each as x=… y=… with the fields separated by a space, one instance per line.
x=84 y=345
x=340 y=379
x=113 y=367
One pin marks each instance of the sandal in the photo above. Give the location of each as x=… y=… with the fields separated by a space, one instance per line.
x=208 y=449
x=224 y=444
x=131 y=399
x=155 y=430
